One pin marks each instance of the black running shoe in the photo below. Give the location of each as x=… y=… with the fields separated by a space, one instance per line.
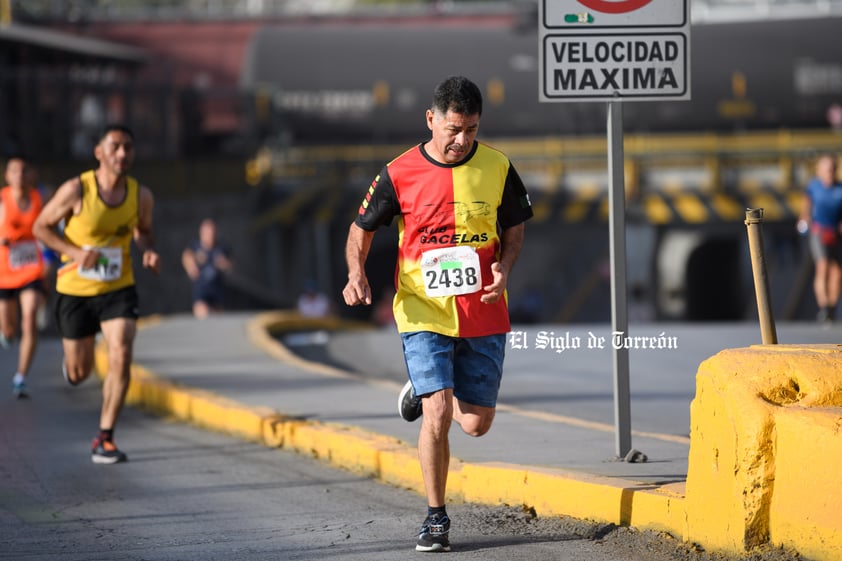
x=434 y=534
x=409 y=404
x=105 y=452
x=65 y=375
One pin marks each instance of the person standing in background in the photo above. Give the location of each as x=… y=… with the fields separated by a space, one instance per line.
x=821 y=220
x=21 y=268
x=206 y=261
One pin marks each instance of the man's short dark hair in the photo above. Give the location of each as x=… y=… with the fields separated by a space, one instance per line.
x=22 y=156
x=457 y=94
x=112 y=127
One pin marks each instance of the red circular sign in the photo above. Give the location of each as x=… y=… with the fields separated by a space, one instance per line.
x=619 y=7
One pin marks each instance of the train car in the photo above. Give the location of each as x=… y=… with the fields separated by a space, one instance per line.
x=331 y=85
x=371 y=82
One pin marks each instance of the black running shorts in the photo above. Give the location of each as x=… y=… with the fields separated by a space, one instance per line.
x=78 y=317
x=12 y=293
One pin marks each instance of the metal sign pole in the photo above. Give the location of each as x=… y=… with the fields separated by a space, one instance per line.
x=619 y=304
x=588 y=51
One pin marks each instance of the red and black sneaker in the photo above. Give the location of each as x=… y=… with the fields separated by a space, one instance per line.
x=105 y=452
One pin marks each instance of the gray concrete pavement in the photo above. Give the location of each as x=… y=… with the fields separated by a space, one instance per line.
x=556 y=408
x=188 y=496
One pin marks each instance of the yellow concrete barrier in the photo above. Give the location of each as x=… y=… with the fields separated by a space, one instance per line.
x=765 y=450
x=805 y=512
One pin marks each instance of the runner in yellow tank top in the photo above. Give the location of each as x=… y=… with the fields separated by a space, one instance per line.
x=103 y=210
x=106 y=227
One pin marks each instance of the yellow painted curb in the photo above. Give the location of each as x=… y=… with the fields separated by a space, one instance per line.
x=753 y=477
x=550 y=492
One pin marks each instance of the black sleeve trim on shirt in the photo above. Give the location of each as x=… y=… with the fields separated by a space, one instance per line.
x=515 y=206
x=380 y=204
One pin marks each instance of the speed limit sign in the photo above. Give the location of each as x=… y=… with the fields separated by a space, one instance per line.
x=590 y=14
x=604 y=50
x=617 y=7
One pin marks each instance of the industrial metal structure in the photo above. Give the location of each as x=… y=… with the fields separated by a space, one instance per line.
x=304 y=108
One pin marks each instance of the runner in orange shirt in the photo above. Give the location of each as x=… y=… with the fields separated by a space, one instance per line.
x=21 y=268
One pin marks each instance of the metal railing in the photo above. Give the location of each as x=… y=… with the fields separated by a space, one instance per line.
x=663 y=162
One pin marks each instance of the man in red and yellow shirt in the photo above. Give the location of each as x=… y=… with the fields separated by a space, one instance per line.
x=21 y=268
x=104 y=210
x=460 y=208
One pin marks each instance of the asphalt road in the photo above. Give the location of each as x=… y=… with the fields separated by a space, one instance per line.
x=187 y=494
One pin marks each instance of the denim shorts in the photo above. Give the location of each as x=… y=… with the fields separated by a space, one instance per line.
x=472 y=367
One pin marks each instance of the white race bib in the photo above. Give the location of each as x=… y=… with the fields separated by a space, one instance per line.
x=450 y=271
x=109 y=266
x=23 y=254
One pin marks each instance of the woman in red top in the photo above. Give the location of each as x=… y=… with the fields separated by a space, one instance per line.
x=21 y=267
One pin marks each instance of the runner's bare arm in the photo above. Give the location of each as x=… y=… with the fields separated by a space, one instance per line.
x=357 y=291
x=510 y=245
x=143 y=231
x=188 y=261
x=3 y=241
x=65 y=203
